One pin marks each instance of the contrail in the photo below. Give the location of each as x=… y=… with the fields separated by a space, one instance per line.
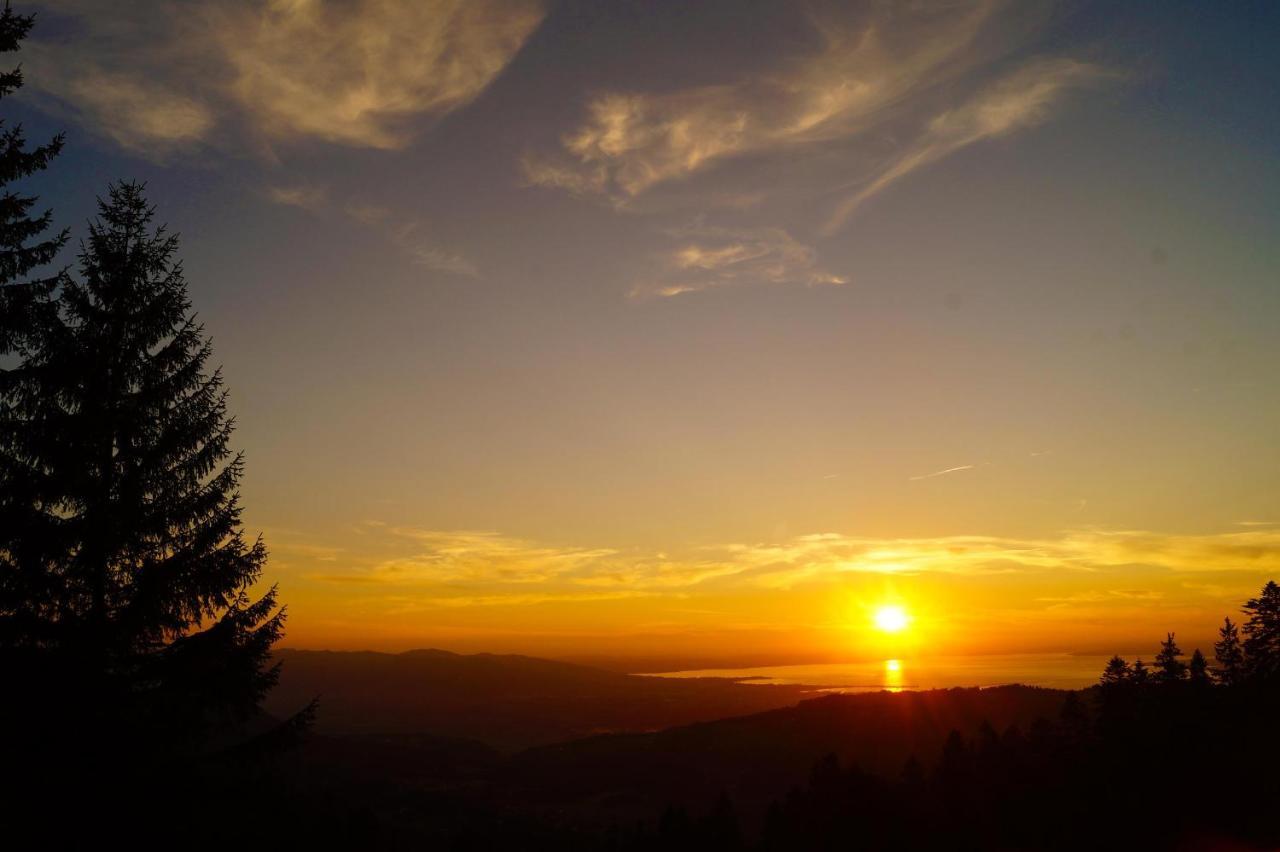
x=942 y=472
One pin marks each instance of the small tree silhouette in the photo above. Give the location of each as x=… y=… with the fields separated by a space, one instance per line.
x=1198 y=669
x=1116 y=673
x=1140 y=675
x=1229 y=654
x=1169 y=668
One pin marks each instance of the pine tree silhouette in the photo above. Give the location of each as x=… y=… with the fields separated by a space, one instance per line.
x=1117 y=672
x=1262 y=634
x=1229 y=654
x=1198 y=669
x=1140 y=675
x=1169 y=668
x=23 y=303
x=25 y=306
x=134 y=575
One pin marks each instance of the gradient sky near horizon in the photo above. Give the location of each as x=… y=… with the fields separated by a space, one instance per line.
x=703 y=329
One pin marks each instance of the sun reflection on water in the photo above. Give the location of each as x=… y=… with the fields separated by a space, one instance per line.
x=893 y=675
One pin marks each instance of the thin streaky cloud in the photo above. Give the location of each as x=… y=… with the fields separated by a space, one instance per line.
x=632 y=141
x=708 y=257
x=411 y=237
x=1021 y=100
x=490 y=564
x=956 y=469
x=303 y=196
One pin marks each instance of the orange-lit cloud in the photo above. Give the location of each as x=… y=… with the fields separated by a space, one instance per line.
x=631 y=141
x=139 y=112
x=708 y=257
x=151 y=75
x=352 y=73
x=457 y=565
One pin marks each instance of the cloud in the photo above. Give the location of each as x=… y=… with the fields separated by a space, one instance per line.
x=631 y=141
x=303 y=196
x=1020 y=100
x=352 y=74
x=153 y=75
x=486 y=565
x=410 y=236
x=137 y=112
x=942 y=472
x=411 y=239
x=708 y=257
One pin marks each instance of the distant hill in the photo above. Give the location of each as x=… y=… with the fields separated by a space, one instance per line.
x=508 y=702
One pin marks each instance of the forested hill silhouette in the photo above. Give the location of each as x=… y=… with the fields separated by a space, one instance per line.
x=506 y=701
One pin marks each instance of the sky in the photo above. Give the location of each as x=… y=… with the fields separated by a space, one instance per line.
x=703 y=330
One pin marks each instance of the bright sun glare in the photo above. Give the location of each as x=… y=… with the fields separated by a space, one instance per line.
x=891 y=619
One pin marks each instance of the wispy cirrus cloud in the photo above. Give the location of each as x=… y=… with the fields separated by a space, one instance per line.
x=708 y=257
x=411 y=236
x=1022 y=99
x=308 y=197
x=631 y=141
x=153 y=75
x=134 y=111
x=488 y=568
x=887 y=79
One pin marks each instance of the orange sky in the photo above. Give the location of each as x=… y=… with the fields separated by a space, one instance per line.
x=576 y=329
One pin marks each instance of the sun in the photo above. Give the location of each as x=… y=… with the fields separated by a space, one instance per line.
x=891 y=619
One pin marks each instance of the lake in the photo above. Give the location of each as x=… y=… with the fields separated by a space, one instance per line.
x=1060 y=671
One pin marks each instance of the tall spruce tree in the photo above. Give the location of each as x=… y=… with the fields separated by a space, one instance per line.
x=1262 y=634
x=131 y=572
x=27 y=312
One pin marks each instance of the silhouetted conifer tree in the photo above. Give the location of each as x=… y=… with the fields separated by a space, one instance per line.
x=1198 y=668
x=1169 y=666
x=1117 y=672
x=23 y=303
x=130 y=566
x=1139 y=675
x=1262 y=634
x=1229 y=654
x=956 y=761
